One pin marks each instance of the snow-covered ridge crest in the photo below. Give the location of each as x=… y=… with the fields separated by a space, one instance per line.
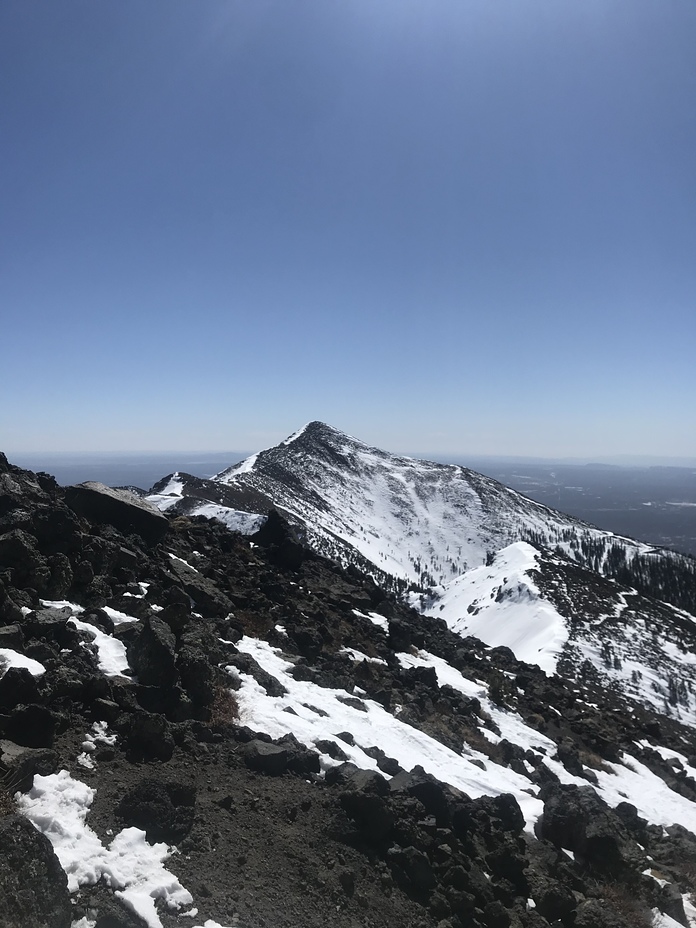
x=418 y=522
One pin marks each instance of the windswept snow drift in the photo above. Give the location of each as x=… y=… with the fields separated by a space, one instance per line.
x=501 y=605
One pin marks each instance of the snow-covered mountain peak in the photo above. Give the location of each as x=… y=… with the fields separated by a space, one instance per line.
x=489 y=561
x=418 y=522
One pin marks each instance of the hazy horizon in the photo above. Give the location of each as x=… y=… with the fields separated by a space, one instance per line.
x=232 y=455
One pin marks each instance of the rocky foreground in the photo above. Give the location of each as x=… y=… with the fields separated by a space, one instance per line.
x=155 y=688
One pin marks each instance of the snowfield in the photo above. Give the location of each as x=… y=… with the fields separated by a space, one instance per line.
x=501 y=605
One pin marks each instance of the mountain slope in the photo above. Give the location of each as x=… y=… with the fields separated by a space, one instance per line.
x=416 y=524
x=491 y=562
x=212 y=730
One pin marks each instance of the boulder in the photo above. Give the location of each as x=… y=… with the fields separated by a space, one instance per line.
x=11 y=637
x=164 y=810
x=265 y=758
x=415 y=865
x=19 y=765
x=197 y=675
x=577 y=819
x=57 y=530
x=149 y=737
x=281 y=542
x=32 y=726
x=18 y=551
x=124 y=510
x=427 y=790
x=17 y=685
x=52 y=625
x=33 y=885
x=208 y=600
x=151 y=654
x=364 y=802
x=301 y=760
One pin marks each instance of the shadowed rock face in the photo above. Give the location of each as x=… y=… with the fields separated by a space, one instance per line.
x=120 y=508
x=33 y=885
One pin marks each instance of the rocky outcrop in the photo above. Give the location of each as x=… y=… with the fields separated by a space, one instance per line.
x=120 y=508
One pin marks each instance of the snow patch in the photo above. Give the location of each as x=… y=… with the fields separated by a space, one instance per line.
x=370 y=725
x=118 y=618
x=246 y=523
x=111 y=653
x=10 y=658
x=57 y=806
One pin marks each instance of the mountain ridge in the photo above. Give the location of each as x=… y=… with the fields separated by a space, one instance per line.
x=438 y=534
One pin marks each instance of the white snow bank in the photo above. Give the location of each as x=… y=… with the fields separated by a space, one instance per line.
x=58 y=806
x=118 y=618
x=10 y=658
x=244 y=467
x=170 y=494
x=360 y=656
x=246 y=523
x=111 y=653
x=501 y=605
x=633 y=782
x=322 y=713
x=510 y=723
x=61 y=604
x=374 y=617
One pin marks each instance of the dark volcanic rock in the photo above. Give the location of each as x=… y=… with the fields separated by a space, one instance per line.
x=364 y=802
x=33 y=885
x=19 y=552
x=149 y=737
x=17 y=686
x=151 y=654
x=265 y=758
x=577 y=819
x=11 y=636
x=164 y=810
x=19 y=764
x=281 y=541
x=427 y=790
x=125 y=511
x=33 y=726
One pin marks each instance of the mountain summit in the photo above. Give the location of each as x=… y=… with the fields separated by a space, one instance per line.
x=461 y=546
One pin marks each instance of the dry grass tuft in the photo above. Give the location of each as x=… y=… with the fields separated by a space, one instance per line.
x=7 y=804
x=632 y=910
x=593 y=761
x=224 y=709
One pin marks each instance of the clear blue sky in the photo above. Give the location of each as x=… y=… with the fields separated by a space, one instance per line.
x=462 y=226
